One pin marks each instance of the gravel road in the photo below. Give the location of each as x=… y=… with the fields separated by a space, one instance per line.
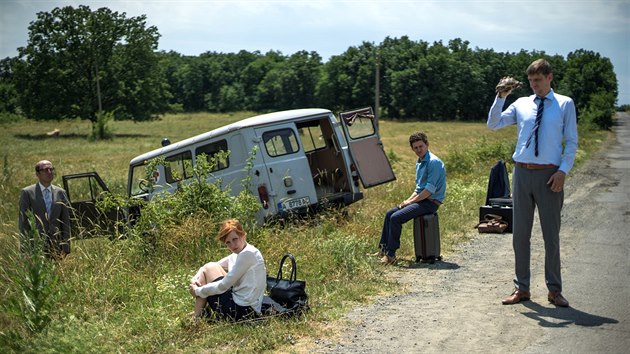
x=454 y=306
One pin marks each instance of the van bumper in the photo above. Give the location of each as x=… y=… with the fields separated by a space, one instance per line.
x=338 y=200
x=332 y=201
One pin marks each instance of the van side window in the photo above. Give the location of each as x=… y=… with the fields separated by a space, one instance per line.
x=84 y=189
x=178 y=167
x=360 y=126
x=280 y=142
x=311 y=136
x=213 y=151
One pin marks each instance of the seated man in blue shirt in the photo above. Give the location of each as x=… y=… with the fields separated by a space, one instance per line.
x=425 y=199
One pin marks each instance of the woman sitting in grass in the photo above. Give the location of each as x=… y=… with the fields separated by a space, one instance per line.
x=233 y=287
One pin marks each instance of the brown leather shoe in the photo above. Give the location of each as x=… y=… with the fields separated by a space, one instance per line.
x=516 y=297
x=387 y=260
x=556 y=298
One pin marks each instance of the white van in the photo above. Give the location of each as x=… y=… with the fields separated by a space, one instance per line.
x=306 y=159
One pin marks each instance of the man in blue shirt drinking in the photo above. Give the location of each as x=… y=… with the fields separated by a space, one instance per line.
x=425 y=199
x=544 y=121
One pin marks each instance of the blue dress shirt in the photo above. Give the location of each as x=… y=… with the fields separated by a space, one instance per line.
x=558 y=125
x=431 y=175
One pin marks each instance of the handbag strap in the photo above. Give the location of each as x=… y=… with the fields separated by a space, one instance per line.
x=293 y=275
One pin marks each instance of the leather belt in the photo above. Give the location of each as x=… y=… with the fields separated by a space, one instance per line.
x=535 y=166
x=436 y=202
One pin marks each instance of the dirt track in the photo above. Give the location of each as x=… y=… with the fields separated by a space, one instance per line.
x=455 y=305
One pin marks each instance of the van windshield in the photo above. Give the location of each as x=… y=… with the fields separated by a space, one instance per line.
x=137 y=181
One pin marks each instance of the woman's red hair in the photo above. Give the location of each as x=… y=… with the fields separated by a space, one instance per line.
x=228 y=226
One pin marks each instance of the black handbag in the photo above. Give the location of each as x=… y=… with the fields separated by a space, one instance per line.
x=290 y=293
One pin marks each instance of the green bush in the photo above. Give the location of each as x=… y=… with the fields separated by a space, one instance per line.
x=393 y=157
x=186 y=219
x=175 y=108
x=599 y=113
x=8 y=117
x=100 y=127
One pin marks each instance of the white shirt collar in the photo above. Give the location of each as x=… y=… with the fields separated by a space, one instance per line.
x=41 y=187
x=549 y=96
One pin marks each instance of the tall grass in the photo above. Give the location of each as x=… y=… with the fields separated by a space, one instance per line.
x=130 y=295
x=32 y=292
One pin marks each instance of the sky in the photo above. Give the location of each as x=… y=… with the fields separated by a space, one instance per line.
x=330 y=27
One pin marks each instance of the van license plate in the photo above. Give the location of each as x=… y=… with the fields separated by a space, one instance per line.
x=296 y=203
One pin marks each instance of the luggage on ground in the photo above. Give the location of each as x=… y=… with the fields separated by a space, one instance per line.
x=426 y=238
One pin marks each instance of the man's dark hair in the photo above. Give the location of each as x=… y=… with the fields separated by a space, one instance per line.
x=419 y=136
x=540 y=66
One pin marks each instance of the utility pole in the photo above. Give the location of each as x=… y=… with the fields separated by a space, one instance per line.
x=98 y=91
x=377 y=89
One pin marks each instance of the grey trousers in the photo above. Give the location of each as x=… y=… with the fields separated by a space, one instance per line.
x=530 y=191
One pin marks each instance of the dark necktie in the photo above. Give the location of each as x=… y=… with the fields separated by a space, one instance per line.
x=534 y=134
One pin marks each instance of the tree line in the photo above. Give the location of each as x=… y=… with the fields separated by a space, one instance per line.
x=80 y=63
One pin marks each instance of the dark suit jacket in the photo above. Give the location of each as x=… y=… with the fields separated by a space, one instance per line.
x=56 y=226
x=498 y=183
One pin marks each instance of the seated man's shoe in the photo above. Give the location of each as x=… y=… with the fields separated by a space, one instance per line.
x=516 y=297
x=387 y=260
x=556 y=298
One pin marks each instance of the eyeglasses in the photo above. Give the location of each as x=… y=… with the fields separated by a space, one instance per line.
x=47 y=169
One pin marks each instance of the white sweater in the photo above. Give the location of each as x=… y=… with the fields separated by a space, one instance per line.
x=246 y=275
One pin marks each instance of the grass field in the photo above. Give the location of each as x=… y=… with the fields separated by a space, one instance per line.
x=112 y=298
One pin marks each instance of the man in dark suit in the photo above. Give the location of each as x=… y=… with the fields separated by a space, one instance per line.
x=50 y=207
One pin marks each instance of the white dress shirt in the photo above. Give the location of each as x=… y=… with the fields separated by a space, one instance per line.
x=558 y=125
x=247 y=276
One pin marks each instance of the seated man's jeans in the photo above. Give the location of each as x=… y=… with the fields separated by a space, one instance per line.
x=395 y=217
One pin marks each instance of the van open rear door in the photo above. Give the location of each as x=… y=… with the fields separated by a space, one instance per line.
x=366 y=147
x=84 y=189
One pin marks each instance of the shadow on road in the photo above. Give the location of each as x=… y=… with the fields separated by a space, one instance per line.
x=566 y=316
x=441 y=265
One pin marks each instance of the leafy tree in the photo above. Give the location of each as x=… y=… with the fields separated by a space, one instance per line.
x=347 y=80
x=171 y=65
x=290 y=83
x=8 y=101
x=77 y=60
x=334 y=87
x=230 y=98
x=491 y=67
x=402 y=61
x=299 y=79
x=251 y=77
x=269 y=91
x=221 y=79
x=590 y=80
x=8 y=94
x=437 y=97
